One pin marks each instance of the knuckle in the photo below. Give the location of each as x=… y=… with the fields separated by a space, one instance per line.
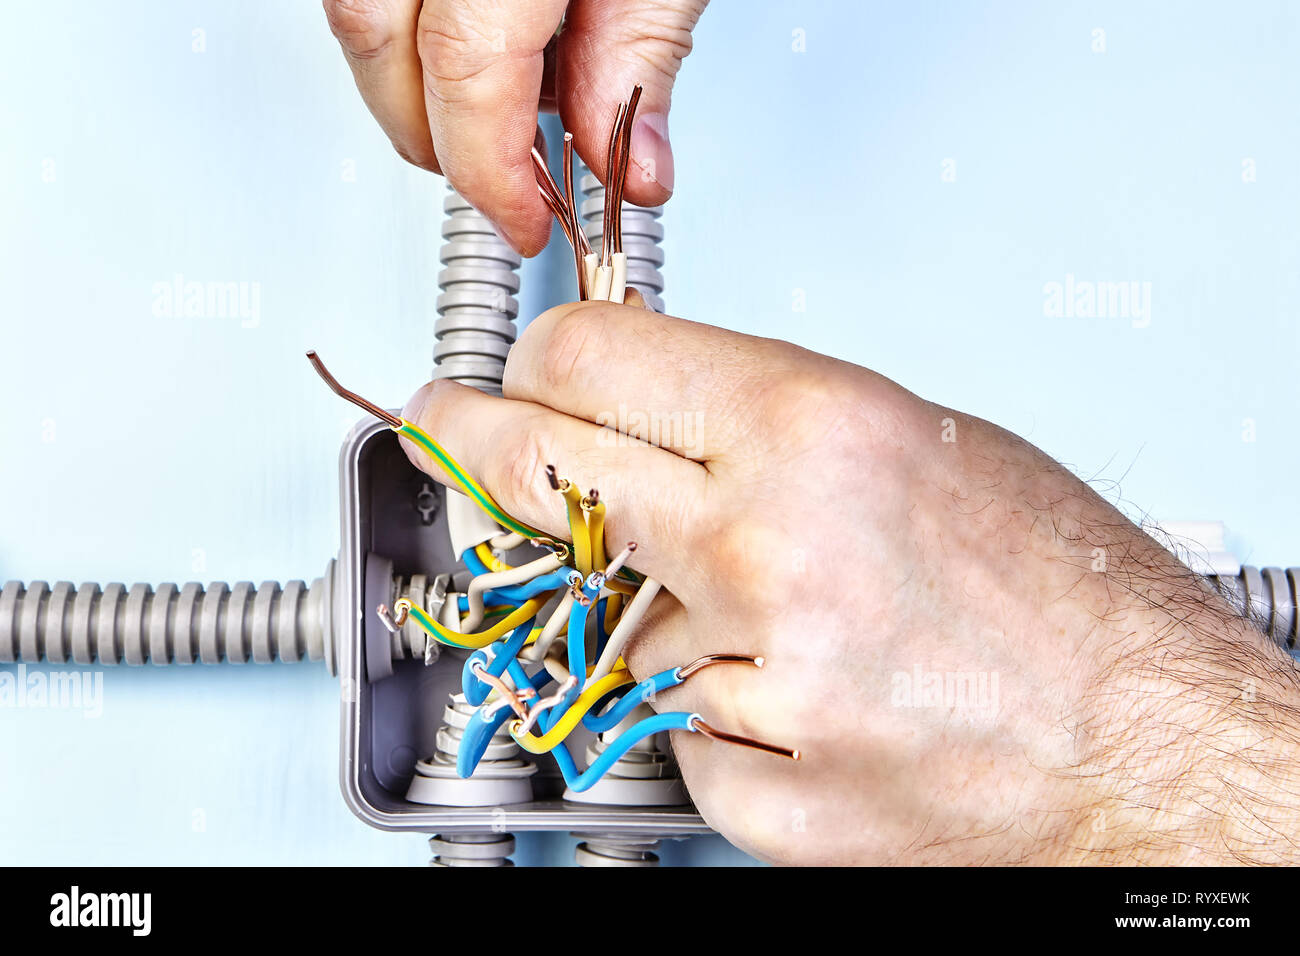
x=660 y=33
x=806 y=393
x=574 y=340
x=362 y=27
x=454 y=52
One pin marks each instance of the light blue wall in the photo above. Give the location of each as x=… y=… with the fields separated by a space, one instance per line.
x=138 y=446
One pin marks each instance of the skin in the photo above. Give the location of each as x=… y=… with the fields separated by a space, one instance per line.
x=457 y=86
x=863 y=540
x=851 y=532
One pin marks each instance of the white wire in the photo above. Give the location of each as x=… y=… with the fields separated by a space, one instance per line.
x=618 y=284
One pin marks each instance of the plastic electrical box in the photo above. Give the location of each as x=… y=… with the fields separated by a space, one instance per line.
x=391 y=709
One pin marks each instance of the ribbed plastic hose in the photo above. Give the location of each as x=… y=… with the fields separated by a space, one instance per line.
x=477 y=306
x=642 y=235
x=167 y=624
x=1269 y=597
x=471 y=849
x=616 y=849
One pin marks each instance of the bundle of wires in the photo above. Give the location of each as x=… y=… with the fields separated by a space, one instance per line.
x=600 y=277
x=514 y=659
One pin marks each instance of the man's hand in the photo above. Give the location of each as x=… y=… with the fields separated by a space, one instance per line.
x=980 y=659
x=457 y=84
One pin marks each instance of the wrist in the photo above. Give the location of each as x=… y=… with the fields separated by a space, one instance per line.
x=1192 y=729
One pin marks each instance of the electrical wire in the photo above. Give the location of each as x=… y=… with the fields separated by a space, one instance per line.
x=460 y=477
x=494 y=564
x=603 y=276
x=502 y=579
x=631 y=617
x=579 y=782
x=649 y=688
x=572 y=716
x=577 y=519
x=507 y=541
x=555 y=624
x=444 y=635
x=594 y=509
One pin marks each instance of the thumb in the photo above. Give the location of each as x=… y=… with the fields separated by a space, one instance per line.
x=606 y=48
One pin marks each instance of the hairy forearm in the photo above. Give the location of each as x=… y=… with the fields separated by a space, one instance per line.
x=1179 y=740
x=1191 y=725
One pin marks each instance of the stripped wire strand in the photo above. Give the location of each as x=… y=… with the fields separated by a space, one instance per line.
x=599 y=277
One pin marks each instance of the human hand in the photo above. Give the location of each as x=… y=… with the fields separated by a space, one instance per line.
x=457 y=85
x=870 y=544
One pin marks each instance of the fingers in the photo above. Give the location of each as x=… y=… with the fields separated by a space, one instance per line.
x=378 y=40
x=653 y=497
x=606 y=48
x=456 y=85
x=483 y=70
x=688 y=387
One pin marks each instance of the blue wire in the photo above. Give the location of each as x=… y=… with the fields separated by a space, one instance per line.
x=517 y=594
x=578 y=638
x=478 y=732
x=476 y=691
x=474 y=563
x=677 y=720
x=630 y=701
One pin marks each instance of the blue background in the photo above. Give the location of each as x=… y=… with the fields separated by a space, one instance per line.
x=144 y=447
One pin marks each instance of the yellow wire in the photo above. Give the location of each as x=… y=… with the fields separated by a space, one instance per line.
x=586 y=700
x=621 y=586
x=492 y=562
x=482 y=638
x=613 y=611
x=578 y=529
x=596 y=533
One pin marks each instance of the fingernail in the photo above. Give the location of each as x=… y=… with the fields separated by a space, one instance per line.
x=651 y=151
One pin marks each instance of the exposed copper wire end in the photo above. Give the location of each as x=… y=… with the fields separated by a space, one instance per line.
x=559 y=547
x=576 y=236
x=562 y=208
x=598 y=578
x=625 y=154
x=698 y=724
x=686 y=670
x=590 y=500
x=521 y=727
x=394 y=624
x=509 y=696
x=553 y=478
x=611 y=168
x=385 y=416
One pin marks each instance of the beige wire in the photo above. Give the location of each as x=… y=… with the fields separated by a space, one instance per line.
x=589 y=264
x=501 y=579
x=604 y=276
x=555 y=625
x=632 y=616
x=507 y=542
x=555 y=664
x=618 y=284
